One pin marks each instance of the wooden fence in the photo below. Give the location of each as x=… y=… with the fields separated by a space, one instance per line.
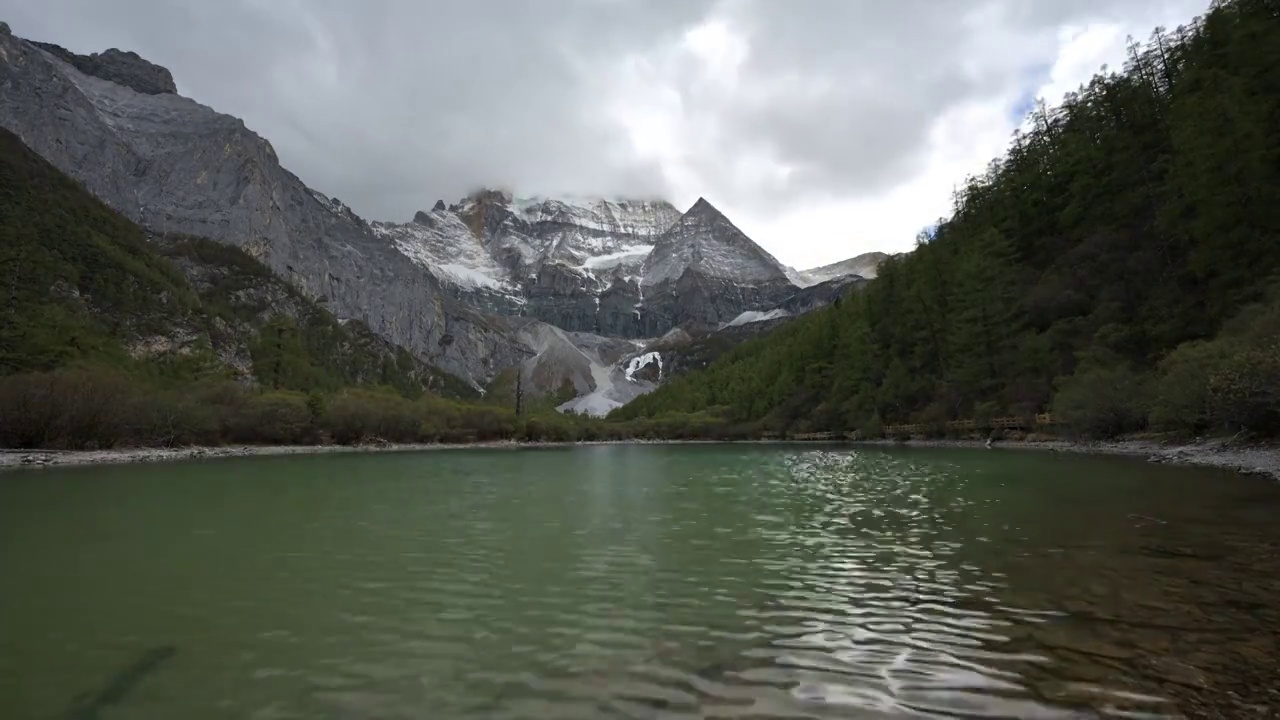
x=1002 y=423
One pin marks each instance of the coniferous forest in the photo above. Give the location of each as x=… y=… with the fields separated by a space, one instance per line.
x=1118 y=268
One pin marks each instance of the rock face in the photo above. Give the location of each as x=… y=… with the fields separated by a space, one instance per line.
x=620 y=268
x=176 y=166
x=117 y=66
x=704 y=271
x=571 y=262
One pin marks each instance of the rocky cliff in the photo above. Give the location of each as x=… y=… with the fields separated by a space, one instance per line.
x=176 y=166
x=571 y=262
x=704 y=272
x=619 y=268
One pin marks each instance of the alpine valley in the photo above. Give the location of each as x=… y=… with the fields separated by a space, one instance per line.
x=595 y=299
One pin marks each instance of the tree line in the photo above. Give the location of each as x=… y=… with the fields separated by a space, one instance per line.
x=1117 y=267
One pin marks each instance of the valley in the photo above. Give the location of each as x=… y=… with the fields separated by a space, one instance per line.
x=566 y=290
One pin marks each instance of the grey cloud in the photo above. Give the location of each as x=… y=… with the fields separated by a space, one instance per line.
x=888 y=69
x=391 y=104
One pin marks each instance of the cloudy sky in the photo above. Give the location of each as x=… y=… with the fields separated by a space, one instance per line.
x=823 y=128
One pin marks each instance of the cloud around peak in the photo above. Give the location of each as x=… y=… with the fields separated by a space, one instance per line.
x=816 y=125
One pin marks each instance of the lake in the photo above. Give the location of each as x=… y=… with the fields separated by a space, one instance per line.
x=639 y=581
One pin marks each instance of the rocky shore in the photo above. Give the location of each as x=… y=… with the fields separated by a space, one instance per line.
x=10 y=459
x=1254 y=459
x=1249 y=459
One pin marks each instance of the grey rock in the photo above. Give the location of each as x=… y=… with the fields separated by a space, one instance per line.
x=704 y=271
x=817 y=296
x=176 y=166
x=120 y=67
x=621 y=268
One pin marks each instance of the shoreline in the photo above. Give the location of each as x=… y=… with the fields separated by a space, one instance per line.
x=1258 y=459
x=14 y=459
x=1247 y=459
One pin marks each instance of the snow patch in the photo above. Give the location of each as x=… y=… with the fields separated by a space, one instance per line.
x=443 y=244
x=598 y=402
x=633 y=253
x=469 y=277
x=642 y=361
x=755 y=316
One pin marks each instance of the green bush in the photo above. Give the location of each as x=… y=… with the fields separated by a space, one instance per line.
x=1245 y=389
x=170 y=418
x=279 y=418
x=1182 y=400
x=355 y=416
x=72 y=408
x=872 y=429
x=1102 y=402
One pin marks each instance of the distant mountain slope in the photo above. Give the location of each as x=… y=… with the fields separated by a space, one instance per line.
x=84 y=283
x=454 y=287
x=619 y=268
x=864 y=265
x=175 y=166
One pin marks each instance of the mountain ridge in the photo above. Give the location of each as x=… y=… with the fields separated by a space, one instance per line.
x=455 y=286
x=176 y=166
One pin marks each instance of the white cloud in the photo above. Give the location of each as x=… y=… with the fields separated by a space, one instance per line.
x=822 y=227
x=824 y=128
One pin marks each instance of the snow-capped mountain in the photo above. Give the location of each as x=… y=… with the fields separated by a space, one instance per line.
x=593 y=234
x=705 y=242
x=461 y=287
x=439 y=241
x=615 y=267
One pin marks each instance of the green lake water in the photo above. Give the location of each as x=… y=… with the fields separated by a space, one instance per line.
x=726 y=581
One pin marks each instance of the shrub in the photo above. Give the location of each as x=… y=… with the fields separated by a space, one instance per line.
x=983 y=414
x=1182 y=400
x=1102 y=402
x=357 y=415
x=1245 y=389
x=279 y=418
x=169 y=418
x=873 y=428
x=72 y=408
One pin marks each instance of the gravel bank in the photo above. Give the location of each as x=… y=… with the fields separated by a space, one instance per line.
x=1244 y=458
x=10 y=459
x=1250 y=459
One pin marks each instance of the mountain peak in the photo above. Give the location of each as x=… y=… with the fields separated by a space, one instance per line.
x=118 y=66
x=707 y=242
x=704 y=208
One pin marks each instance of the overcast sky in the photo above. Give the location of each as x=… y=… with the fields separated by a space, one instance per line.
x=823 y=128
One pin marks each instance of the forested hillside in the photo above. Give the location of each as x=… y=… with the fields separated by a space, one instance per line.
x=1118 y=267
x=107 y=337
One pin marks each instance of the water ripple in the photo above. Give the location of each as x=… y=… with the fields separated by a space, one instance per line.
x=720 y=582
